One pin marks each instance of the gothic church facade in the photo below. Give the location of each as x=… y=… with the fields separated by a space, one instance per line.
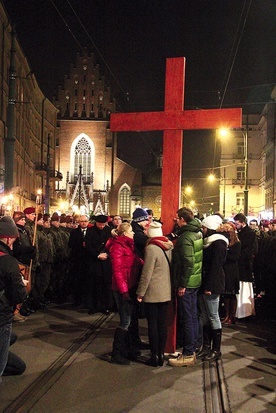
x=94 y=178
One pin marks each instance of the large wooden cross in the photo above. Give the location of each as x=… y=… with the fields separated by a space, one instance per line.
x=173 y=120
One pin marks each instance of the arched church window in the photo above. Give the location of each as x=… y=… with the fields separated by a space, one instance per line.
x=83 y=158
x=124 y=201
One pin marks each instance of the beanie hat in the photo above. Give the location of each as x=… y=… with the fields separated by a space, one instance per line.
x=100 y=218
x=55 y=217
x=8 y=229
x=212 y=222
x=29 y=210
x=265 y=223
x=17 y=216
x=155 y=229
x=62 y=219
x=140 y=215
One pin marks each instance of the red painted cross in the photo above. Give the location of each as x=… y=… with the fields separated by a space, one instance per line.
x=173 y=120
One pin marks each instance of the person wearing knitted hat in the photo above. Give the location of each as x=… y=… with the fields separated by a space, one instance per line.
x=140 y=223
x=154 y=290
x=215 y=246
x=140 y=220
x=12 y=287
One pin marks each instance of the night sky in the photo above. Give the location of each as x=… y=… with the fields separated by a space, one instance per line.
x=229 y=47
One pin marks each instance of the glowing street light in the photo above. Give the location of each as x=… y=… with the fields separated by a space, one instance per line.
x=211 y=177
x=224 y=133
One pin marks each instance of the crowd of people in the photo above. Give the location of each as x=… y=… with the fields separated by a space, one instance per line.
x=214 y=270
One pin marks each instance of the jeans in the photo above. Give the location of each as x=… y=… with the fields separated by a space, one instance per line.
x=188 y=320
x=209 y=308
x=5 y=335
x=156 y=314
x=124 y=309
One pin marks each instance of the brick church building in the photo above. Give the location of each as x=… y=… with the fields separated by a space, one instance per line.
x=94 y=178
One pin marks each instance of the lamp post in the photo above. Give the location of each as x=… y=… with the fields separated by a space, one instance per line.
x=245 y=136
x=224 y=191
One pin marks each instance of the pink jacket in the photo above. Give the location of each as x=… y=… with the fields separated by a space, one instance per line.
x=126 y=265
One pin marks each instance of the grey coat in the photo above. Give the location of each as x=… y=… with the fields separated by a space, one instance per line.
x=155 y=281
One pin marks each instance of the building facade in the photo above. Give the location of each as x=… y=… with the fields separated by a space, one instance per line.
x=28 y=125
x=94 y=178
x=247 y=164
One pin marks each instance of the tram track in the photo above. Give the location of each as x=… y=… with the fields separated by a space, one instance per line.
x=215 y=388
x=31 y=395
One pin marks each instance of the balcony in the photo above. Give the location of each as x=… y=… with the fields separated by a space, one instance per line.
x=55 y=175
x=241 y=182
x=41 y=169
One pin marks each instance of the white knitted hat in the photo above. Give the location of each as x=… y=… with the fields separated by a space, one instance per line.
x=155 y=229
x=212 y=222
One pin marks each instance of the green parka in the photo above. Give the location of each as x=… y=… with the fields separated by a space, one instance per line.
x=187 y=256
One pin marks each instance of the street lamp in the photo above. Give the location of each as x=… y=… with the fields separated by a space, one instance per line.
x=245 y=137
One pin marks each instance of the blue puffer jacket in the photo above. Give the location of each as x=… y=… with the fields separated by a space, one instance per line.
x=187 y=256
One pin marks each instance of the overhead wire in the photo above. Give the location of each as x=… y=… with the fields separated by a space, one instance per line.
x=236 y=46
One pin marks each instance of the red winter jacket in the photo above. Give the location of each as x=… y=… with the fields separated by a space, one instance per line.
x=126 y=265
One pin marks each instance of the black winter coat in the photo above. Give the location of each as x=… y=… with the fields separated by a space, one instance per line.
x=12 y=289
x=231 y=269
x=22 y=247
x=248 y=246
x=213 y=277
x=140 y=239
x=95 y=244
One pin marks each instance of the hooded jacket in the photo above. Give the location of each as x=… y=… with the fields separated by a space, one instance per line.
x=187 y=256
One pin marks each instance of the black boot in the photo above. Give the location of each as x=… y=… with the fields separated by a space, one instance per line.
x=153 y=360
x=160 y=359
x=132 y=352
x=206 y=347
x=215 y=353
x=119 y=348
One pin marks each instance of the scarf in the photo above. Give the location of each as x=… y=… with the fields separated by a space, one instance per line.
x=212 y=238
x=161 y=242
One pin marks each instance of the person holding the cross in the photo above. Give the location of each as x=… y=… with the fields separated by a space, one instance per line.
x=140 y=223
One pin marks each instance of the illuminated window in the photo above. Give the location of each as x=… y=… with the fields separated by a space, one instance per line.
x=239 y=199
x=83 y=159
x=124 y=200
x=240 y=173
x=240 y=149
